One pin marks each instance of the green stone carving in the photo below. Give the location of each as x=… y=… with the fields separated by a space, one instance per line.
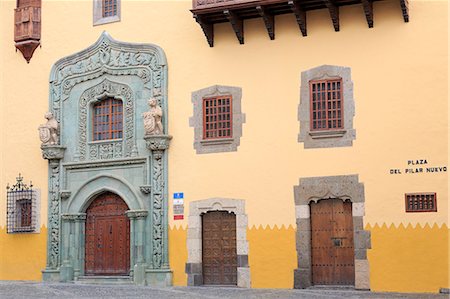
x=80 y=169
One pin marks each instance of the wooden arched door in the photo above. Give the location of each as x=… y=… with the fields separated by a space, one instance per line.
x=107 y=236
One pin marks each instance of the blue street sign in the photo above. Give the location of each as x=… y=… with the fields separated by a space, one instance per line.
x=179 y=195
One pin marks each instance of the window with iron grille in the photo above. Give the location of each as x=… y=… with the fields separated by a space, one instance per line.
x=217 y=117
x=327 y=107
x=107 y=121
x=326 y=104
x=109 y=8
x=22 y=208
x=420 y=202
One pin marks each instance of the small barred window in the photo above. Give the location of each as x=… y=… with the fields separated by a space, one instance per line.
x=420 y=202
x=109 y=8
x=217 y=117
x=326 y=104
x=108 y=120
x=22 y=208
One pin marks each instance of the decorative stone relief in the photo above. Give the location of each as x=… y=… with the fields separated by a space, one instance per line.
x=146 y=189
x=158 y=184
x=64 y=194
x=54 y=154
x=128 y=72
x=49 y=133
x=108 y=56
x=157 y=144
x=106 y=150
x=152 y=119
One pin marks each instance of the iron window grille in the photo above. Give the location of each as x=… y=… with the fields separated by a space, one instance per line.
x=21 y=214
x=217 y=117
x=108 y=120
x=326 y=105
x=109 y=8
x=420 y=202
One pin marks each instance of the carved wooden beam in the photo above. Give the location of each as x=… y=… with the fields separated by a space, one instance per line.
x=405 y=10
x=368 y=10
x=300 y=15
x=269 y=21
x=334 y=13
x=237 y=24
x=208 y=29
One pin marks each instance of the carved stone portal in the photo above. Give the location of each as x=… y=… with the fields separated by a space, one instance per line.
x=81 y=168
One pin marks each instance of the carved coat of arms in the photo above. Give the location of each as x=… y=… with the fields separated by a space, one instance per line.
x=44 y=134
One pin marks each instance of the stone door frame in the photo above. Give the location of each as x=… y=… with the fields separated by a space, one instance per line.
x=344 y=187
x=194 y=267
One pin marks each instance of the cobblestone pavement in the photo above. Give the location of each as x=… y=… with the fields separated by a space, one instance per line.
x=20 y=289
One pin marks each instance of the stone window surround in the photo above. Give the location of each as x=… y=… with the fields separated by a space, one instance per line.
x=326 y=138
x=196 y=121
x=344 y=187
x=98 y=13
x=194 y=238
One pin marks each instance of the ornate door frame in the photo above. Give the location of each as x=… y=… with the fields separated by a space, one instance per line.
x=135 y=168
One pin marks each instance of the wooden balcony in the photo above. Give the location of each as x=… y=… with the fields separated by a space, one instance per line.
x=209 y=12
x=27 y=27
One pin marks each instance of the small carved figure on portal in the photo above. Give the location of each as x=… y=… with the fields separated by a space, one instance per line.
x=152 y=119
x=48 y=133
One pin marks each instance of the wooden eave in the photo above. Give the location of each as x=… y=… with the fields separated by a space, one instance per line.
x=236 y=11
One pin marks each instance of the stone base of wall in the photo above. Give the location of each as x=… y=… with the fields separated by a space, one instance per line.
x=158 y=278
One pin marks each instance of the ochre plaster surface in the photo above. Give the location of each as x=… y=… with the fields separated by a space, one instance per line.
x=386 y=62
x=394 y=71
x=409 y=258
x=404 y=259
x=22 y=256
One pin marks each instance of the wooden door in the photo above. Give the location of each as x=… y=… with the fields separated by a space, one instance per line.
x=219 y=248
x=107 y=236
x=332 y=243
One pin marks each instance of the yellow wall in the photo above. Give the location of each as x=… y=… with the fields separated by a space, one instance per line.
x=272 y=256
x=409 y=259
x=22 y=256
x=400 y=77
x=178 y=255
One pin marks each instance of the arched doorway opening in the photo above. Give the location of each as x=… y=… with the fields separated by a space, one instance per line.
x=107 y=236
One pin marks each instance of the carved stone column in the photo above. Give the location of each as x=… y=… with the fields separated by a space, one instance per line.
x=54 y=154
x=137 y=236
x=71 y=245
x=159 y=272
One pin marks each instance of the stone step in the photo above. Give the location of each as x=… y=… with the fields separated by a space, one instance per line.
x=122 y=280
